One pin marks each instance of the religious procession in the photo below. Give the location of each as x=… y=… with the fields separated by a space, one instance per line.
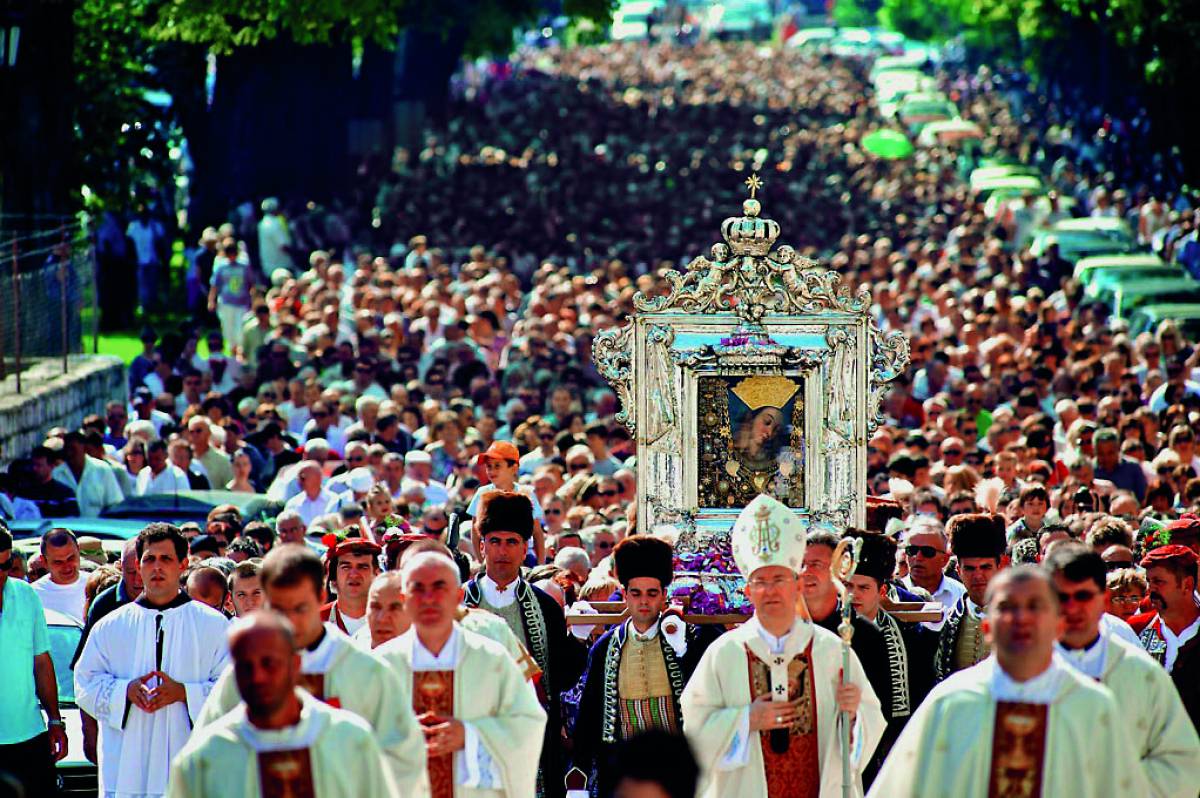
x=732 y=406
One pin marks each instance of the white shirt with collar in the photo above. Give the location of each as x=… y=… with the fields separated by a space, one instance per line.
x=1175 y=641
x=170 y=480
x=947 y=594
x=1041 y=689
x=473 y=765
x=1090 y=659
x=496 y=596
x=96 y=487
x=677 y=639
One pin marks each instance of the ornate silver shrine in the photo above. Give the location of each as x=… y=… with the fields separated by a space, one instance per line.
x=755 y=371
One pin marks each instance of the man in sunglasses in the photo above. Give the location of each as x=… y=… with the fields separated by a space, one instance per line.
x=1161 y=733
x=926 y=552
x=978 y=542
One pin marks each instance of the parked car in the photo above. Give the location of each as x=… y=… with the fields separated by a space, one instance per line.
x=76 y=775
x=631 y=20
x=1079 y=238
x=1099 y=272
x=1148 y=317
x=1127 y=297
x=1012 y=185
x=192 y=505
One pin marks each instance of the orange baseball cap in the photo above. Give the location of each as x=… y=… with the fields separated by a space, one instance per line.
x=501 y=450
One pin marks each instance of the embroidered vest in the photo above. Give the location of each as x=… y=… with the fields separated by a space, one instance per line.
x=646 y=700
x=897 y=665
x=971 y=648
x=433 y=691
x=796 y=772
x=1018 y=750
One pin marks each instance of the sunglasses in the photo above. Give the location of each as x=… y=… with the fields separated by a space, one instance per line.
x=952 y=452
x=607 y=493
x=604 y=545
x=553 y=512
x=577 y=466
x=1080 y=596
x=358 y=458
x=928 y=552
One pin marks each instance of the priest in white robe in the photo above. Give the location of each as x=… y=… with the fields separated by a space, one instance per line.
x=147 y=669
x=482 y=719
x=764 y=706
x=279 y=740
x=1163 y=737
x=332 y=668
x=1022 y=723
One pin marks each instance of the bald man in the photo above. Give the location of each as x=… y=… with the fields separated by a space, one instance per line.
x=386 y=619
x=279 y=740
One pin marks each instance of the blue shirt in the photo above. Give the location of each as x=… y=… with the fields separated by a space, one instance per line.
x=23 y=636
x=232 y=279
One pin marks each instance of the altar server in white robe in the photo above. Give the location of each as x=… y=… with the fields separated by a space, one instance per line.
x=332 y=668
x=1153 y=713
x=279 y=740
x=762 y=708
x=147 y=669
x=482 y=719
x=1022 y=723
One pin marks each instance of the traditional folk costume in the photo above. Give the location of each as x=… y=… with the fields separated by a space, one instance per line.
x=337 y=672
x=474 y=680
x=980 y=734
x=1162 y=735
x=961 y=641
x=633 y=680
x=539 y=625
x=185 y=640
x=1178 y=653
x=804 y=761
x=330 y=753
x=908 y=651
x=332 y=612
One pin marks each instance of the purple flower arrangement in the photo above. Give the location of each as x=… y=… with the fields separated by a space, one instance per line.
x=710 y=581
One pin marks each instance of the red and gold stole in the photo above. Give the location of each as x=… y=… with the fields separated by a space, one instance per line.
x=1018 y=750
x=286 y=774
x=433 y=691
x=796 y=772
x=314 y=683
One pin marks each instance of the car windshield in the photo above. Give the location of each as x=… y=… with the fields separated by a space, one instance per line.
x=63 y=642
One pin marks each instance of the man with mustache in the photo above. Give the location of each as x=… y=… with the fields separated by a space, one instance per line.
x=1162 y=736
x=1171 y=636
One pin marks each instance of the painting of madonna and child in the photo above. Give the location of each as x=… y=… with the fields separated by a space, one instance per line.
x=751 y=438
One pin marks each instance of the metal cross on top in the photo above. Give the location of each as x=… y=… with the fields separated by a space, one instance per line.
x=754 y=183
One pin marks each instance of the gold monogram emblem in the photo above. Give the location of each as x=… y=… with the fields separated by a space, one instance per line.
x=766 y=534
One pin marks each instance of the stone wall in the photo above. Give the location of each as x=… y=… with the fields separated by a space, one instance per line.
x=50 y=398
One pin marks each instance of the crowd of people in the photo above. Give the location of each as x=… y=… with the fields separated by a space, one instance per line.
x=417 y=397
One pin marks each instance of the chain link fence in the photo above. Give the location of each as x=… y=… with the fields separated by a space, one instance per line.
x=48 y=295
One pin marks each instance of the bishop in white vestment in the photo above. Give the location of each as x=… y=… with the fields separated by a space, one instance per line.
x=763 y=708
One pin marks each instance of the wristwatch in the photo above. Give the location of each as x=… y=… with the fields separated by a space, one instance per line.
x=59 y=722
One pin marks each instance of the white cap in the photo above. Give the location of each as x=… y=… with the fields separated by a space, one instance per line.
x=361 y=480
x=418 y=456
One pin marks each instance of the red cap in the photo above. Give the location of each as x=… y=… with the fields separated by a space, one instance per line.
x=337 y=547
x=1172 y=552
x=501 y=450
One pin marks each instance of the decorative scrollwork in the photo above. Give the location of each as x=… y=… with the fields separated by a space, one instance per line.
x=662 y=408
x=889 y=357
x=612 y=352
x=744 y=278
x=750 y=357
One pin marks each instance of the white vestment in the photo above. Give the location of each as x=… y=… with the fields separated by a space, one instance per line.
x=1154 y=716
x=136 y=747
x=716 y=710
x=345 y=760
x=945 y=751
x=499 y=709
x=360 y=682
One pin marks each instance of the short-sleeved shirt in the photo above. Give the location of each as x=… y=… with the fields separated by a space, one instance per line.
x=23 y=636
x=477 y=501
x=232 y=279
